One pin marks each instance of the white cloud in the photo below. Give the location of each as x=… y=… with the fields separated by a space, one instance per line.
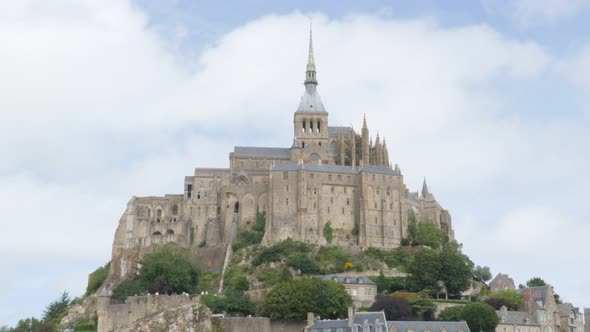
x=96 y=107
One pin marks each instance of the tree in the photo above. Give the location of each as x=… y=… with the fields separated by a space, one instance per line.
x=536 y=282
x=497 y=303
x=293 y=300
x=170 y=270
x=513 y=299
x=451 y=314
x=328 y=232
x=395 y=307
x=128 y=287
x=424 y=269
x=428 y=234
x=480 y=317
x=456 y=268
x=482 y=274
x=300 y=261
x=423 y=308
x=57 y=308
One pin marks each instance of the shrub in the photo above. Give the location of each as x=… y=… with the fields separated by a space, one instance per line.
x=332 y=259
x=303 y=263
x=253 y=236
x=512 y=299
x=480 y=317
x=84 y=326
x=128 y=287
x=169 y=270
x=202 y=243
x=451 y=314
x=395 y=308
x=328 y=232
x=423 y=309
x=238 y=284
x=233 y=303
x=97 y=278
x=281 y=250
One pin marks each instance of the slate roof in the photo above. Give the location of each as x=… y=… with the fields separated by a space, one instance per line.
x=434 y=326
x=251 y=151
x=311 y=102
x=349 y=279
x=539 y=294
x=516 y=317
x=334 y=130
x=328 y=168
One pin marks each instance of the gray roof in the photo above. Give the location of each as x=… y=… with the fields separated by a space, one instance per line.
x=348 y=279
x=516 y=317
x=434 y=326
x=311 y=101
x=335 y=130
x=328 y=168
x=378 y=318
x=251 y=151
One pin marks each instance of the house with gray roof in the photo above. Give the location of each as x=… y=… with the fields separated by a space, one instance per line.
x=516 y=321
x=360 y=288
x=376 y=322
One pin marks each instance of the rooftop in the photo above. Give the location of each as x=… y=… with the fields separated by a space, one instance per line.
x=349 y=279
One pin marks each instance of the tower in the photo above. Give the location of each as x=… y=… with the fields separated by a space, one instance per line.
x=310 y=121
x=365 y=142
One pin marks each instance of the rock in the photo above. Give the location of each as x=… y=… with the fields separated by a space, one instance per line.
x=86 y=310
x=186 y=318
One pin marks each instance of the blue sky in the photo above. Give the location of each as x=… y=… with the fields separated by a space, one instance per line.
x=104 y=100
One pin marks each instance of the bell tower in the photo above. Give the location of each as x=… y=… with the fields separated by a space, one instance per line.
x=310 y=121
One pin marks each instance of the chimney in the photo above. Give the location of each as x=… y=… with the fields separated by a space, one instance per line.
x=310 y=319
x=350 y=316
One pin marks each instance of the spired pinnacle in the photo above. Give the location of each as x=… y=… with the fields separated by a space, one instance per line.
x=424 y=189
x=310 y=73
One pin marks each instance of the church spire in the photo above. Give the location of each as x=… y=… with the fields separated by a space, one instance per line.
x=310 y=72
x=425 y=192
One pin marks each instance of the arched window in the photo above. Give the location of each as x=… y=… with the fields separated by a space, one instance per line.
x=311 y=126
x=156 y=233
x=318 y=126
x=149 y=212
x=158 y=213
x=237 y=207
x=303 y=145
x=170 y=232
x=175 y=210
x=303 y=127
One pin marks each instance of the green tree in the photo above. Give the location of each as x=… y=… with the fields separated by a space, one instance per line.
x=56 y=309
x=513 y=299
x=455 y=268
x=97 y=278
x=480 y=317
x=451 y=314
x=169 y=270
x=424 y=269
x=293 y=300
x=395 y=307
x=128 y=287
x=482 y=274
x=302 y=262
x=423 y=308
x=536 y=282
x=428 y=234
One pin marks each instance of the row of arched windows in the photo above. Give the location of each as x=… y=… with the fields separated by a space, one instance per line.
x=308 y=126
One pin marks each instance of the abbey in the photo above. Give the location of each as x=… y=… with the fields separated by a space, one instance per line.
x=330 y=178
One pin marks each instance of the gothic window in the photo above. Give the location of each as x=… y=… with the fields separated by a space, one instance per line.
x=303 y=145
x=311 y=126
x=318 y=126
x=175 y=210
x=303 y=127
x=237 y=207
x=189 y=190
x=348 y=201
x=159 y=213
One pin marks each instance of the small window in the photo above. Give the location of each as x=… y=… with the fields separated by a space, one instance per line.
x=311 y=175
x=339 y=177
x=331 y=200
x=206 y=195
x=332 y=189
x=373 y=177
x=342 y=210
x=345 y=190
x=287 y=188
x=175 y=210
x=348 y=201
x=329 y=177
x=159 y=213
x=198 y=195
x=375 y=205
x=286 y=201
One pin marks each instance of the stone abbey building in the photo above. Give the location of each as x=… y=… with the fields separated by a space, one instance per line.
x=331 y=175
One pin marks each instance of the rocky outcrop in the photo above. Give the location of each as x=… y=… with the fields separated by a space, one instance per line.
x=83 y=311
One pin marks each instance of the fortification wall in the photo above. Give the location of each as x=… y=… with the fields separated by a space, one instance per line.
x=260 y=324
x=113 y=316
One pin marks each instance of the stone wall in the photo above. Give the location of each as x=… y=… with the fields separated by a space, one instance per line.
x=260 y=324
x=440 y=306
x=114 y=316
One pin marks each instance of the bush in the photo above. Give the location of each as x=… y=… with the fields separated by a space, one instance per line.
x=480 y=317
x=303 y=263
x=128 y=287
x=423 y=309
x=389 y=284
x=328 y=232
x=512 y=299
x=293 y=300
x=238 y=284
x=169 y=270
x=202 y=243
x=281 y=250
x=253 y=236
x=395 y=308
x=233 y=303
x=84 y=326
x=332 y=260
x=451 y=314
x=97 y=278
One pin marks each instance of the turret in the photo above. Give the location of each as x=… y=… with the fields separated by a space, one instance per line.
x=365 y=142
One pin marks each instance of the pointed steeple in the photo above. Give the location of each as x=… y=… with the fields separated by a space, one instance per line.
x=425 y=192
x=310 y=73
x=364 y=121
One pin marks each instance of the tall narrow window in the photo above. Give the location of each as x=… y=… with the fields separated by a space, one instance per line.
x=311 y=126
x=303 y=127
x=318 y=126
x=189 y=190
x=175 y=210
